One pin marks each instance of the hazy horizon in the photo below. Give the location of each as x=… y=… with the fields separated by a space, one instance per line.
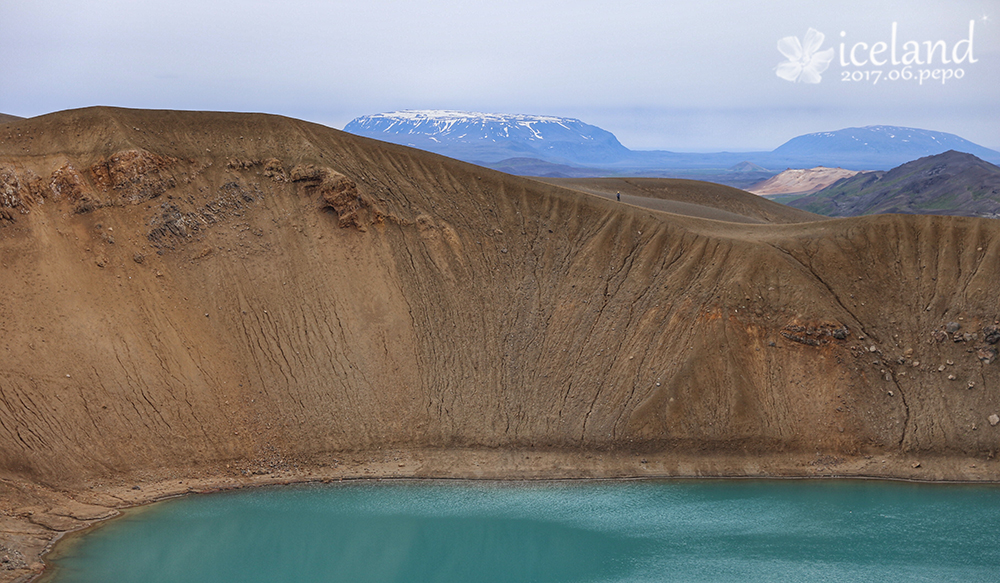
x=702 y=78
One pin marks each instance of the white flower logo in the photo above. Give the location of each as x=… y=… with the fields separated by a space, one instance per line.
x=804 y=64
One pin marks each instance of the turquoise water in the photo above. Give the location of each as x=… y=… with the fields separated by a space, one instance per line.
x=685 y=531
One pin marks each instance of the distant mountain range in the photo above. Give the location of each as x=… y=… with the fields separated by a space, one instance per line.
x=952 y=183
x=522 y=144
x=855 y=147
x=493 y=137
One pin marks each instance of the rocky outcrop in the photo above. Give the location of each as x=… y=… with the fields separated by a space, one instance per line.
x=19 y=189
x=133 y=176
x=338 y=194
x=815 y=334
x=129 y=176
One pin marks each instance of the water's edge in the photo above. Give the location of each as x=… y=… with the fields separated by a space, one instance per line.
x=460 y=487
x=507 y=466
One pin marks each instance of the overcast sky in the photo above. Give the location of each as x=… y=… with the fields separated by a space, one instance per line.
x=691 y=76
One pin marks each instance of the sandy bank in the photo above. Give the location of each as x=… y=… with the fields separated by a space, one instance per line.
x=35 y=517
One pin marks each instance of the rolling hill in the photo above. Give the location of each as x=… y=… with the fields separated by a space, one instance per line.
x=800 y=181
x=198 y=300
x=689 y=197
x=952 y=183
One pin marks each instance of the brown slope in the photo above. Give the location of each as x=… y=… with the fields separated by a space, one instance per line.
x=188 y=294
x=7 y=118
x=690 y=198
x=347 y=295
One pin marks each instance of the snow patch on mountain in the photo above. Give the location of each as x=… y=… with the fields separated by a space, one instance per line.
x=456 y=124
x=491 y=138
x=463 y=134
x=911 y=142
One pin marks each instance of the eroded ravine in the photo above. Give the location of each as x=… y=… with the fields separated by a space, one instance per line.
x=188 y=294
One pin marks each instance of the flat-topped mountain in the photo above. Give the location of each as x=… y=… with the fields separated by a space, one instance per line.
x=952 y=183
x=491 y=137
x=881 y=145
x=221 y=298
x=531 y=144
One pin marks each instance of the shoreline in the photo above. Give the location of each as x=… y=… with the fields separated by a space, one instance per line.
x=34 y=529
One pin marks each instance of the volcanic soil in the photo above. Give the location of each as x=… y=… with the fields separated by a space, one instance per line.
x=801 y=181
x=192 y=301
x=689 y=197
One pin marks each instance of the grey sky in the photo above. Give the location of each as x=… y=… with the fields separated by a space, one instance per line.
x=680 y=76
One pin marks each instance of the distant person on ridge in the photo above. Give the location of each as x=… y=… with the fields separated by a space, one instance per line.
x=619 y=195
